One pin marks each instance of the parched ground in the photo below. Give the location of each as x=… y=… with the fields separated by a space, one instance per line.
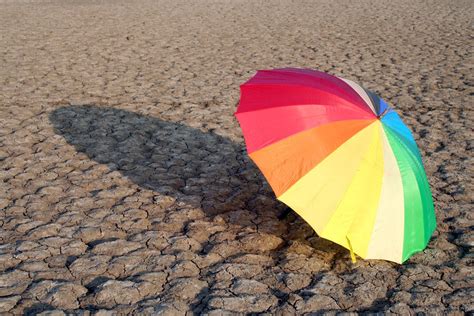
x=125 y=184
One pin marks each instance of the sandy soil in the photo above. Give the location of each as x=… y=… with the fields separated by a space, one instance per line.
x=125 y=183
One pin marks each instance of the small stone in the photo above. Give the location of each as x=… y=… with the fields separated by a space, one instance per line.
x=296 y=282
x=34 y=266
x=66 y=295
x=116 y=248
x=55 y=312
x=124 y=266
x=8 y=261
x=184 y=269
x=58 y=294
x=37 y=254
x=207 y=260
x=317 y=303
x=461 y=298
x=186 y=288
x=24 y=227
x=117 y=292
x=44 y=231
x=302 y=264
x=243 y=286
x=151 y=283
x=401 y=309
x=300 y=248
x=7 y=303
x=74 y=248
x=88 y=234
x=244 y=304
x=4 y=203
x=466 y=240
x=104 y=312
x=168 y=309
x=27 y=246
x=89 y=266
x=54 y=242
x=14 y=282
x=260 y=242
x=254 y=259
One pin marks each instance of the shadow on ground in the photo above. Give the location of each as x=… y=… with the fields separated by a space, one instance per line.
x=199 y=168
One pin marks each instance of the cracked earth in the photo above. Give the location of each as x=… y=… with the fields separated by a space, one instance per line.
x=125 y=185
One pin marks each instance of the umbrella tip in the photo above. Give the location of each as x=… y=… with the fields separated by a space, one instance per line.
x=381 y=115
x=353 y=257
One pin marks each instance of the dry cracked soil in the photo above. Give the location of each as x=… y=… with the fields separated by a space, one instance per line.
x=125 y=185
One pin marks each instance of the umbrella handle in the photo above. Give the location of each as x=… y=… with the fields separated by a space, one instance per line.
x=353 y=257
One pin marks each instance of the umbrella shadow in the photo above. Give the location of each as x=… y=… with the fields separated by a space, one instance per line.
x=201 y=169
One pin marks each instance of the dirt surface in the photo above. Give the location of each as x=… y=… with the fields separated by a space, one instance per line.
x=125 y=182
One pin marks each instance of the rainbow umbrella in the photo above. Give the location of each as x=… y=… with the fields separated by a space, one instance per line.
x=340 y=157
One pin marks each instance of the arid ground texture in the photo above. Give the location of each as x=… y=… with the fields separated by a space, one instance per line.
x=125 y=184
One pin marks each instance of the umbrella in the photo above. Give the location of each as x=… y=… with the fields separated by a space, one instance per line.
x=340 y=157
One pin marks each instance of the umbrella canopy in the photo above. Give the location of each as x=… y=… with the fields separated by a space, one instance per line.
x=340 y=157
